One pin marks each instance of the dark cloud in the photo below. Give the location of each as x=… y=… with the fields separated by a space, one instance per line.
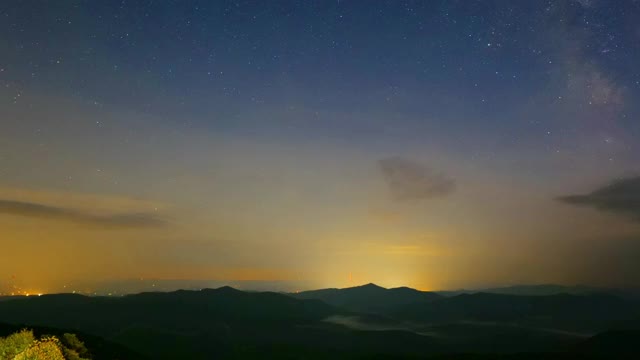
x=409 y=180
x=127 y=220
x=621 y=196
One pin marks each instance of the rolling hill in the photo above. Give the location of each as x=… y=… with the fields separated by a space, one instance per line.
x=220 y=322
x=574 y=313
x=390 y=323
x=369 y=298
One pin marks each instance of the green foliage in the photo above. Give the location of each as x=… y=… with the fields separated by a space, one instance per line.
x=70 y=354
x=24 y=346
x=73 y=348
x=44 y=349
x=16 y=343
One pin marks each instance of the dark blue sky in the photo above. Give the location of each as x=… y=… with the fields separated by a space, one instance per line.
x=208 y=59
x=532 y=98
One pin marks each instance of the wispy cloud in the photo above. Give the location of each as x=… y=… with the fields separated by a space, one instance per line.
x=410 y=180
x=120 y=220
x=620 y=196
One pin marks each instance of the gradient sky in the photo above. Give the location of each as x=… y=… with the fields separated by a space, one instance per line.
x=434 y=144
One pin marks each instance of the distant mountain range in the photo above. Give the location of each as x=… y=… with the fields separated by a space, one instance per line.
x=359 y=322
x=546 y=289
x=369 y=298
x=533 y=290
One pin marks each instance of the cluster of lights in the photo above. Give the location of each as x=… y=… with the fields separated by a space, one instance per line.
x=20 y=293
x=15 y=290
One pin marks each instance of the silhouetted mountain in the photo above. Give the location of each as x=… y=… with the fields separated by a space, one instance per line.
x=211 y=323
x=589 y=313
x=192 y=307
x=228 y=323
x=623 y=342
x=610 y=345
x=549 y=289
x=369 y=298
x=536 y=290
x=545 y=290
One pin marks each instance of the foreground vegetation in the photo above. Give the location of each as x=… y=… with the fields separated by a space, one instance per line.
x=23 y=345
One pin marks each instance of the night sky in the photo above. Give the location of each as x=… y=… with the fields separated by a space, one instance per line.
x=301 y=144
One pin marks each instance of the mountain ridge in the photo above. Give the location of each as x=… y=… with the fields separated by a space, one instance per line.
x=368 y=298
x=230 y=323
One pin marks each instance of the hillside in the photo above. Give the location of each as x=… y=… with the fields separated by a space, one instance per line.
x=369 y=298
x=212 y=322
x=575 y=313
x=228 y=323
